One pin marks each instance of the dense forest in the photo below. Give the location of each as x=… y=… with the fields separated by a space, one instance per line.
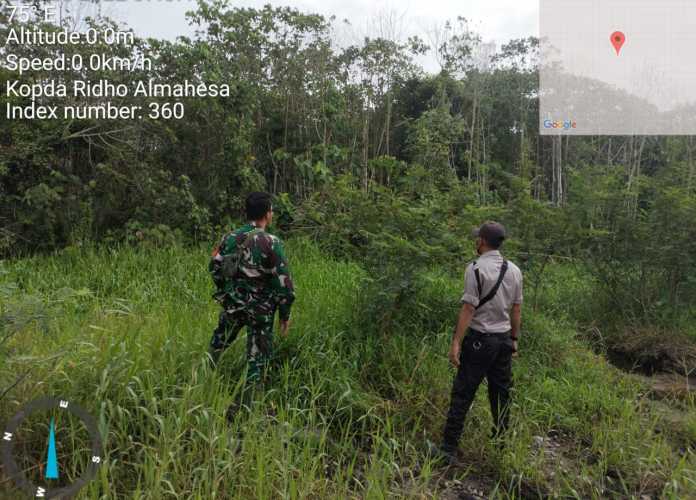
x=361 y=147
x=377 y=163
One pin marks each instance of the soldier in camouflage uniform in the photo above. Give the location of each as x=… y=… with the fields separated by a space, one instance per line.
x=252 y=277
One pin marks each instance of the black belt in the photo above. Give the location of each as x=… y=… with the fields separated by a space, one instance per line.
x=476 y=332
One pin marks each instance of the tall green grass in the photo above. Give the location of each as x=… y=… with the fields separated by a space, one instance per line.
x=348 y=407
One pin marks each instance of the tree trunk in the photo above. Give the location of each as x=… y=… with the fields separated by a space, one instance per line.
x=557 y=195
x=285 y=138
x=690 y=161
x=365 y=155
x=472 y=135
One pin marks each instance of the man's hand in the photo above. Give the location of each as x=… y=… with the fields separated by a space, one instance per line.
x=454 y=352
x=516 y=322
x=284 y=327
x=465 y=315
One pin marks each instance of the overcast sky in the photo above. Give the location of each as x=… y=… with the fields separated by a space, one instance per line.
x=495 y=20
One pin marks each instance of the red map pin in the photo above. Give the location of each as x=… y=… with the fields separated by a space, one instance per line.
x=617 y=40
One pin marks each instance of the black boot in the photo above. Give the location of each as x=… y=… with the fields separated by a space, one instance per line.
x=442 y=454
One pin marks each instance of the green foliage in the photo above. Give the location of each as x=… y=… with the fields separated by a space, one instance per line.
x=383 y=227
x=639 y=247
x=433 y=138
x=371 y=156
x=348 y=408
x=374 y=162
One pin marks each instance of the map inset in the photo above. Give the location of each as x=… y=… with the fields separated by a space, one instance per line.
x=618 y=67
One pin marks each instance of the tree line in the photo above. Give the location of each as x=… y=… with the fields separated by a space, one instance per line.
x=338 y=131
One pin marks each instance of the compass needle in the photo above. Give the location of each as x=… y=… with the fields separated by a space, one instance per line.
x=40 y=475
x=51 y=459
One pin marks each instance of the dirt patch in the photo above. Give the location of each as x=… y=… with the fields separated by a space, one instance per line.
x=463 y=480
x=553 y=449
x=650 y=361
x=647 y=351
x=468 y=488
x=670 y=386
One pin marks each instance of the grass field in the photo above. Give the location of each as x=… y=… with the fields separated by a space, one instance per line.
x=347 y=412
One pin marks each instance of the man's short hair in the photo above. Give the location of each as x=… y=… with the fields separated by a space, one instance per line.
x=493 y=233
x=258 y=204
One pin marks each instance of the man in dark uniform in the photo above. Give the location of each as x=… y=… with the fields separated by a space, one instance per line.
x=490 y=318
x=251 y=273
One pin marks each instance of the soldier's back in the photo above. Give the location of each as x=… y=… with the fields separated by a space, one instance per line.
x=257 y=257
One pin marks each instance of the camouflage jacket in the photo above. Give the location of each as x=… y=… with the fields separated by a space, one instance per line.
x=262 y=279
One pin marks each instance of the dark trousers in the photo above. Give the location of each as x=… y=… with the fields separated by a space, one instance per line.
x=482 y=355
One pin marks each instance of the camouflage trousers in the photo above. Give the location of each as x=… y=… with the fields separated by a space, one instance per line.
x=259 y=346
